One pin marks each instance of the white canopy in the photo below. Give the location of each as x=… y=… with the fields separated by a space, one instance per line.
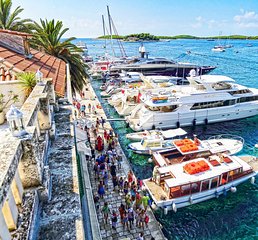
x=173 y=133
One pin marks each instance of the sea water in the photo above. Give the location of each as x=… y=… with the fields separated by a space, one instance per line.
x=234 y=216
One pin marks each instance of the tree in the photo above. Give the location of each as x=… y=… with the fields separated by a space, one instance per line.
x=11 y=20
x=47 y=36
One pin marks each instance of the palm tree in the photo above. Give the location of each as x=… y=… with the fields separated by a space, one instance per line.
x=47 y=36
x=28 y=81
x=11 y=20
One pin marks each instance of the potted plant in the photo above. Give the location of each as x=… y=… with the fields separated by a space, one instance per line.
x=5 y=101
x=28 y=81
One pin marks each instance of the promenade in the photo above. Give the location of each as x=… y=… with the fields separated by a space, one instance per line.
x=113 y=198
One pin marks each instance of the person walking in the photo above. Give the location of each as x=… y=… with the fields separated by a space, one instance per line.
x=105 y=179
x=89 y=108
x=105 y=211
x=130 y=217
x=114 y=220
x=115 y=183
x=113 y=169
x=102 y=121
x=130 y=177
x=127 y=201
x=101 y=190
x=142 y=219
x=141 y=236
x=121 y=184
x=125 y=221
x=145 y=201
x=121 y=210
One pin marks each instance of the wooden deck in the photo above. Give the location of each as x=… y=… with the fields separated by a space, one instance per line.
x=156 y=191
x=252 y=161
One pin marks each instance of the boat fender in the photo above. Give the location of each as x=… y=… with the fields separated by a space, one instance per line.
x=153 y=127
x=225 y=192
x=233 y=189
x=154 y=206
x=194 y=122
x=165 y=210
x=191 y=199
x=206 y=121
x=150 y=160
x=178 y=124
x=174 y=207
x=252 y=180
x=127 y=124
x=216 y=194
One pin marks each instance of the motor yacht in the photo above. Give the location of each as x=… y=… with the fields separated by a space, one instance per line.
x=153 y=143
x=161 y=66
x=218 y=49
x=185 y=182
x=207 y=99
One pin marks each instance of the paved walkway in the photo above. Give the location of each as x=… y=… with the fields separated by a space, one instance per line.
x=115 y=199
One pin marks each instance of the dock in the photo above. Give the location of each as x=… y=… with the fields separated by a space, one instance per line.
x=114 y=199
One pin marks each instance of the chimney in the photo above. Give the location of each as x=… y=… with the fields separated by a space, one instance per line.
x=16 y=41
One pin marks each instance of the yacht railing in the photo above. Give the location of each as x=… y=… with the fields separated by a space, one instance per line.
x=239 y=139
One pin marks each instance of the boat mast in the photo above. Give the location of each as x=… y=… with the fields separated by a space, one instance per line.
x=110 y=31
x=104 y=32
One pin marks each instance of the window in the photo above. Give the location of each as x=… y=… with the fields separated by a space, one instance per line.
x=213 y=104
x=195 y=187
x=205 y=185
x=248 y=99
x=214 y=182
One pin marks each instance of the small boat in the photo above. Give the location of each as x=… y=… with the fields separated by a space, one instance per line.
x=167 y=134
x=218 y=49
x=183 y=183
x=221 y=143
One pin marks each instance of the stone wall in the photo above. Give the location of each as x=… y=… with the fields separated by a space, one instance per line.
x=22 y=164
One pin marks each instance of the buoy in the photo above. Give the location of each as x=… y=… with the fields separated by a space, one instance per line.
x=174 y=207
x=252 y=180
x=191 y=199
x=206 y=121
x=178 y=124
x=194 y=122
x=165 y=210
x=256 y=145
x=233 y=189
x=150 y=160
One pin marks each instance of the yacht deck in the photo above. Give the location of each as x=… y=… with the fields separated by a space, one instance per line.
x=156 y=191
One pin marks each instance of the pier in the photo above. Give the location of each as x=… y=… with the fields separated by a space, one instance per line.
x=113 y=198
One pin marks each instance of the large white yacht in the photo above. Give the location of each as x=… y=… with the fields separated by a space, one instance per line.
x=207 y=99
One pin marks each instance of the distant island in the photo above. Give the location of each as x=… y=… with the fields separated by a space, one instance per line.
x=138 y=37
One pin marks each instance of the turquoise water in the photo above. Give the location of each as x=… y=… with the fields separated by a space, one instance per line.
x=234 y=216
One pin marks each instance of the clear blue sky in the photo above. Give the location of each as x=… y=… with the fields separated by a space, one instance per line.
x=158 y=17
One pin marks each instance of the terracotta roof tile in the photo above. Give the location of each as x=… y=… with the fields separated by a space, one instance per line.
x=50 y=66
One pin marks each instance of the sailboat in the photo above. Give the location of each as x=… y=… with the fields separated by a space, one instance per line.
x=219 y=47
x=104 y=61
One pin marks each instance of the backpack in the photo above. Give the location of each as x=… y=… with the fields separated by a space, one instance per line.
x=146 y=220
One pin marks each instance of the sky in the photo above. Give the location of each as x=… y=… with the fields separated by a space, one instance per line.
x=158 y=17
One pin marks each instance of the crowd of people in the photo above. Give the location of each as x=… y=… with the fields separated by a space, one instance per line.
x=107 y=167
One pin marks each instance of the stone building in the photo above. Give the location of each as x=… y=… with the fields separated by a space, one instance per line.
x=39 y=189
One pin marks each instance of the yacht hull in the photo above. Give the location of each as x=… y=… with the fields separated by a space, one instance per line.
x=192 y=118
x=178 y=70
x=175 y=203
